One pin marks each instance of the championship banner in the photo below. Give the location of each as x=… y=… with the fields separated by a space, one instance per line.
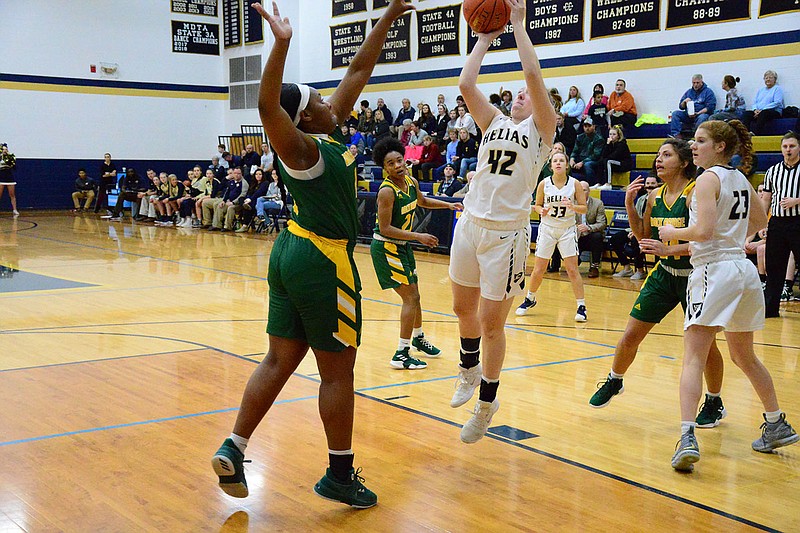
x=397 y=48
x=504 y=42
x=345 y=7
x=378 y=4
x=253 y=26
x=346 y=39
x=231 y=23
x=195 y=7
x=555 y=21
x=438 y=31
x=195 y=38
x=681 y=13
x=776 y=7
x=617 y=17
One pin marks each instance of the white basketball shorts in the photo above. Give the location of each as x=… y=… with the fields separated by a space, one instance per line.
x=549 y=237
x=491 y=259
x=725 y=294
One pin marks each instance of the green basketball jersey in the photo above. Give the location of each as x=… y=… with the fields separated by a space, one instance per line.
x=326 y=205
x=677 y=215
x=405 y=203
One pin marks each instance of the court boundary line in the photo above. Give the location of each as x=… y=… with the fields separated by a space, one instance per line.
x=100 y=360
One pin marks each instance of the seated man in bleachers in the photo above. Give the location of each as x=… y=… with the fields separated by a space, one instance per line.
x=624 y=243
x=231 y=203
x=622 y=107
x=84 y=190
x=588 y=150
x=696 y=105
x=450 y=183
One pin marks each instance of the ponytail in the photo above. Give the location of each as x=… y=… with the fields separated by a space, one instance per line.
x=745 y=146
x=736 y=137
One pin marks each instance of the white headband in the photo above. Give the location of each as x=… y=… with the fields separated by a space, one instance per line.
x=305 y=95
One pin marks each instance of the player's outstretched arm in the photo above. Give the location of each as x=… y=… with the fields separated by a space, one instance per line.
x=544 y=116
x=479 y=107
x=344 y=97
x=297 y=150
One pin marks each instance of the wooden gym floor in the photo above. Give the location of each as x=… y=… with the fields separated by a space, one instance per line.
x=124 y=350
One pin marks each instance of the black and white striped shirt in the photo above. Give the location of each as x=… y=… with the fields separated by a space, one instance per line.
x=783 y=181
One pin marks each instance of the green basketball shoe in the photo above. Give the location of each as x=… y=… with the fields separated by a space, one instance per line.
x=711 y=412
x=404 y=361
x=228 y=464
x=354 y=493
x=422 y=345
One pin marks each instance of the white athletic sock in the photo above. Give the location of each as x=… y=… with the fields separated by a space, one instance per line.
x=341 y=452
x=614 y=375
x=487 y=380
x=417 y=332
x=581 y=302
x=686 y=426
x=240 y=442
x=713 y=394
x=531 y=296
x=773 y=416
x=403 y=343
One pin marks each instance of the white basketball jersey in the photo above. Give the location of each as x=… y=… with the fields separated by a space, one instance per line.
x=559 y=216
x=509 y=161
x=733 y=210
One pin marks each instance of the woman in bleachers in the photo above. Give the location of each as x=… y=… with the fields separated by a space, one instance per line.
x=556 y=100
x=466 y=153
x=506 y=100
x=466 y=121
x=616 y=155
x=366 y=125
x=453 y=114
x=734 y=102
x=193 y=191
x=260 y=188
x=573 y=108
x=440 y=135
x=271 y=203
x=381 y=129
x=767 y=106
x=430 y=159
x=427 y=120
x=598 y=88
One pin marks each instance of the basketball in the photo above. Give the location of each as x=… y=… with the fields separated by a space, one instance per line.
x=486 y=16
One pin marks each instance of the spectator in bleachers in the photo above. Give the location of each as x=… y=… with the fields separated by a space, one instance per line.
x=460 y=101
x=204 y=205
x=227 y=162
x=621 y=106
x=440 y=100
x=591 y=229
x=598 y=110
x=366 y=125
x=418 y=134
x=271 y=203
x=345 y=130
x=176 y=191
x=451 y=125
x=782 y=196
x=359 y=158
x=767 y=106
x=430 y=159
x=442 y=118
x=251 y=160
x=231 y=203
x=267 y=158
x=624 y=243
x=405 y=113
x=406 y=132
x=84 y=190
x=466 y=121
x=495 y=100
x=215 y=166
x=147 y=211
x=506 y=100
x=598 y=88
x=108 y=180
x=616 y=155
x=357 y=139
x=130 y=187
x=695 y=106
x=363 y=105
x=734 y=102
x=449 y=154
x=556 y=100
x=450 y=183
x=462 y=191
x=381 y=126
x=466 y=152
x=427 y=120
x=565 y=135
x=259 y=189
x=221 y=150
x=588 y=150
x=193 y=191
x=573 y=108
x=381 y=106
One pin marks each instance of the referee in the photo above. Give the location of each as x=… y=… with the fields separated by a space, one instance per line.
x=782 y=188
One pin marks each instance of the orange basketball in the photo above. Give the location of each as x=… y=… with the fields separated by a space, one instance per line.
x=486 y=16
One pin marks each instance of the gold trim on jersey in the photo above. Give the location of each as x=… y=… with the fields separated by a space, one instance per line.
x=395 y=265
x=336 y=251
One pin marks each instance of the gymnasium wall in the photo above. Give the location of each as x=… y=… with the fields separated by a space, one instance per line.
x=656 y=65
x=160 y=108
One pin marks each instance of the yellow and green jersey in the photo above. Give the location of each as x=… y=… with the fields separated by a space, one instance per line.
x=405 y=204
x=677 y=215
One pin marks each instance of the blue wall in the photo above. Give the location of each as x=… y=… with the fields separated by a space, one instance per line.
x=49 y=183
